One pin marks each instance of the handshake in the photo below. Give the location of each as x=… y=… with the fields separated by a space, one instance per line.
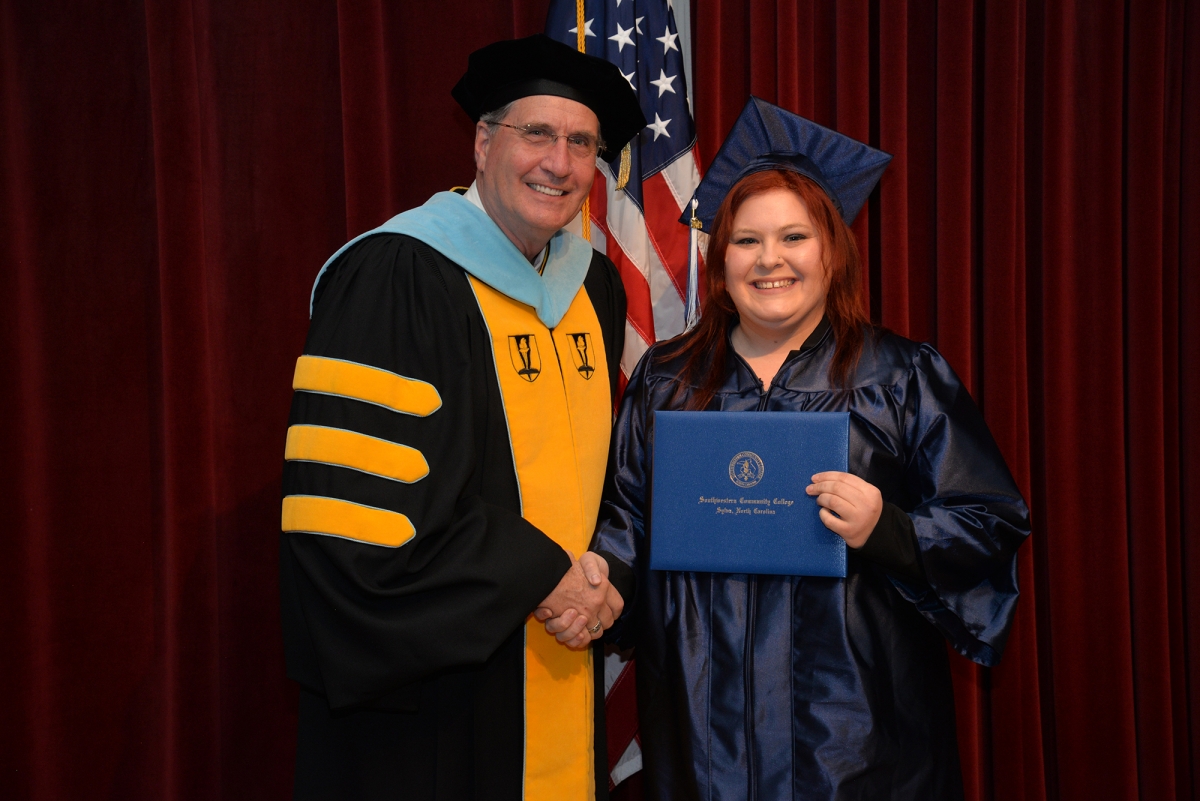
x=583 y=604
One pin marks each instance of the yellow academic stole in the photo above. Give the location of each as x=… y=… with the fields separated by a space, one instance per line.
x=555 y=388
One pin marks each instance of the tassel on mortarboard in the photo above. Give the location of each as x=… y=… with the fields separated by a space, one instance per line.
x=692 y=310
x=626 y=158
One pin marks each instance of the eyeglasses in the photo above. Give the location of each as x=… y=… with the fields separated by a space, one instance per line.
x=579 y=145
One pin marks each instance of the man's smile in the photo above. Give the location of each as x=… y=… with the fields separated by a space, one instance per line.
x=546 y=190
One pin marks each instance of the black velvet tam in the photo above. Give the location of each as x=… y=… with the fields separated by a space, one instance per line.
x=537 y=65
x=766 y=137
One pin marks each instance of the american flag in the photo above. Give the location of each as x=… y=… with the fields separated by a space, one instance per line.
x=638 y=227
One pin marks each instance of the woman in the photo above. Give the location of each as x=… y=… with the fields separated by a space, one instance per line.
x=771 y=687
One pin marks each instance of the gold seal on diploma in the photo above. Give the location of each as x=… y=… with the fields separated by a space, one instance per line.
x=746 y=469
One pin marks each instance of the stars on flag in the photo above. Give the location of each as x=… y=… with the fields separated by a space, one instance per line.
x=587 y=29
x=668 y=40
x=664 y=83
x=621 y=37
x=659 y=126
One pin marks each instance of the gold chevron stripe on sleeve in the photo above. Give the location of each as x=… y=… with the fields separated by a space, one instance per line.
x=370 y=384
x=316 y=515
x=358 y=451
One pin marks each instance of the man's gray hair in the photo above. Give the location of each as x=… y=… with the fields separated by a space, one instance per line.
x=494 y=118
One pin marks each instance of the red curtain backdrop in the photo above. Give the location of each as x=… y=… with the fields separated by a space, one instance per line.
x=1040 y=224
x=172 y=175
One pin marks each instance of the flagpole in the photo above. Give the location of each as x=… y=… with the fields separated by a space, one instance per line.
x=585 y=211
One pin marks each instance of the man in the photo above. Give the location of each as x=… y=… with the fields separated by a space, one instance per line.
x=446 y=450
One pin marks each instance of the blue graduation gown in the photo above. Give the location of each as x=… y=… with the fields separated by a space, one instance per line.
x=776 y=687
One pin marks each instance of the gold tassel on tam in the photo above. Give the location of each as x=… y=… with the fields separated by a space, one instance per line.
x=626 y=159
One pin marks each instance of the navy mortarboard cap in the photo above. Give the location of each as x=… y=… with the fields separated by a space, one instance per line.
x=537 y=65
x=765 y=137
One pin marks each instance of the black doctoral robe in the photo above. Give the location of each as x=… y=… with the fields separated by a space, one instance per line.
x=411 y=658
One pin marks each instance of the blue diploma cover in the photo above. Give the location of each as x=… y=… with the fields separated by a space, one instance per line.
x=727 y=492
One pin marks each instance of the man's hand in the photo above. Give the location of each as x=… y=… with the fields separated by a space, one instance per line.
x=850 y=507
x=583 y=604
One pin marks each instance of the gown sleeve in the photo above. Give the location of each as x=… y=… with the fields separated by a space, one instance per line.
x=431 y=576
x=620 y=531
x=967 y=514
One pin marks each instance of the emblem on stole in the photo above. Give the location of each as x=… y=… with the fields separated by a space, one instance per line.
x=581 y=354
x=526 y=359
x=746 y=469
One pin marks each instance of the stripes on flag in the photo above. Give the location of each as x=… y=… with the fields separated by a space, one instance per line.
x=649 y=250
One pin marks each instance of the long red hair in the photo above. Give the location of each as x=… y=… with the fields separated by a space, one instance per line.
x=706 y=346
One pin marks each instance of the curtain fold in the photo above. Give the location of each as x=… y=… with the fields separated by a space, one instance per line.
x=173 y=174
x=1184 y=244
x=1147 y=332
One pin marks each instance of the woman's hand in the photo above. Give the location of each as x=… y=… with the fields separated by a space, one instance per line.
x=850 y=507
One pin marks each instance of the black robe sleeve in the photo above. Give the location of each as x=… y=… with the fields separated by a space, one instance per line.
x=620 y=533
x=361 y=620
x=893 y=545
